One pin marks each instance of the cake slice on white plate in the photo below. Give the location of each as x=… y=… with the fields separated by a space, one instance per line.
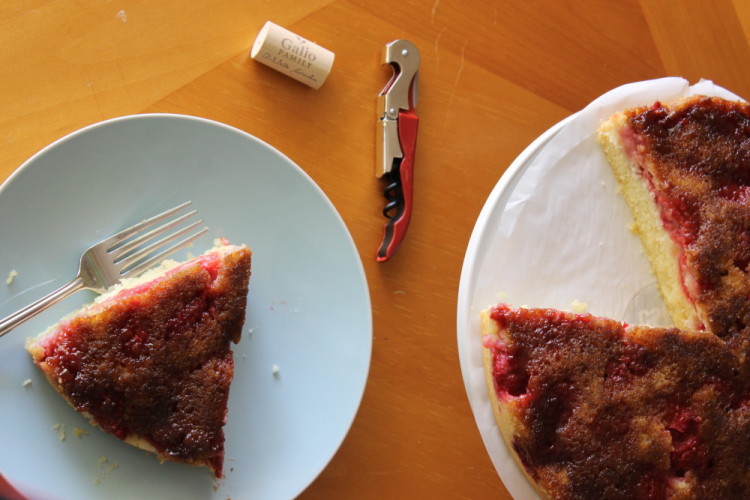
x=684 y=170
x=594 y=408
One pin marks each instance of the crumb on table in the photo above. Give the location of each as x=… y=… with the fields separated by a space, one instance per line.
x=11 y=276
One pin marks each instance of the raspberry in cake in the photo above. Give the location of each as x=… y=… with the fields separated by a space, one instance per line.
x=684 y=170
x=150 y=361
x=593 y=408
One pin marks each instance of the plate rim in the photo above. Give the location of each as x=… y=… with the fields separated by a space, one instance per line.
x=467 y=284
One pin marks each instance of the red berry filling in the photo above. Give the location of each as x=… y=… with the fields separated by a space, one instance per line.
x=525 y=457
x=631 y=362
x=672 y=210
x=553 y=409
x=688 y=450
x=735 y=192
x=113 y=372
x=211 y=263
x=509 y=369
x=695 y=160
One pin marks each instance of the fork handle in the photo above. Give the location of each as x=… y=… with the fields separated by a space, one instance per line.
x=28 y=312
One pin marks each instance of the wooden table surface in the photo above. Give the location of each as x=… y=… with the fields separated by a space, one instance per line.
x=495 y=74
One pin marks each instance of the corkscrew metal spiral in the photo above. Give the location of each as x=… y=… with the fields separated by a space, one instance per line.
x=392 y=193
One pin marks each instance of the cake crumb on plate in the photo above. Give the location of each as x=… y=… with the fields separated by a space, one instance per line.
x=60 y=428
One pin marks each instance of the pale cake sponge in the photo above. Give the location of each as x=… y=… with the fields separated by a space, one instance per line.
x=662 y=252
x=150 y=360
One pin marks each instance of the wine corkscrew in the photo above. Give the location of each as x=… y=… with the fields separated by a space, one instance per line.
x=396 y=142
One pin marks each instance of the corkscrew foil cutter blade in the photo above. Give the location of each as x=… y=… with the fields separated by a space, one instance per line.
x=396 y=141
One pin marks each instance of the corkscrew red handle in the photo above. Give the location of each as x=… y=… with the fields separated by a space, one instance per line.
x=402 y=176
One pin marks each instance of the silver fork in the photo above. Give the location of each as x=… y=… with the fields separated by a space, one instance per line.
x=123 y=255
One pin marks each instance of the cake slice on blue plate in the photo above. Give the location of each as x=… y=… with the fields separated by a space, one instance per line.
x=150 y=360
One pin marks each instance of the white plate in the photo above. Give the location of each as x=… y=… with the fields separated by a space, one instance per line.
x=553 y=233
x=308 y=307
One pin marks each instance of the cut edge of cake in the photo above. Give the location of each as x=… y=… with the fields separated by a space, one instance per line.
x=663 y=253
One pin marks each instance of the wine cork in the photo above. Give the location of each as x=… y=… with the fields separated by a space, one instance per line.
x=289 y=53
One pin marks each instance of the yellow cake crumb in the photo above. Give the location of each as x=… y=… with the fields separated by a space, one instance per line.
x=60 y=428
x=26 y=383
x=578 y=307
x=105 y=467
x=79 y=432
x=11 y=276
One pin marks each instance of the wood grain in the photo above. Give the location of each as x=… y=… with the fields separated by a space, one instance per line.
x=494 y=76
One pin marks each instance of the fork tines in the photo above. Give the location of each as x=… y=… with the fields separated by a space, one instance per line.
x=134 y=252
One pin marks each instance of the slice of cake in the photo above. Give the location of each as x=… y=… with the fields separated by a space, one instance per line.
x=150 y=360
x=684 y=170
x=593 y=408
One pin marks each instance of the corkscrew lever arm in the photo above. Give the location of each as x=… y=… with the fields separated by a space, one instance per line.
x=396 y=142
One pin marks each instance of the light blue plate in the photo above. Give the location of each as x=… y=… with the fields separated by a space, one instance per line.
x=308 y=307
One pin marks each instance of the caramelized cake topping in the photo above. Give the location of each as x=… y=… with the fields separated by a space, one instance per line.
x=606 y=410
x=695 y=157
x=152 y=364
